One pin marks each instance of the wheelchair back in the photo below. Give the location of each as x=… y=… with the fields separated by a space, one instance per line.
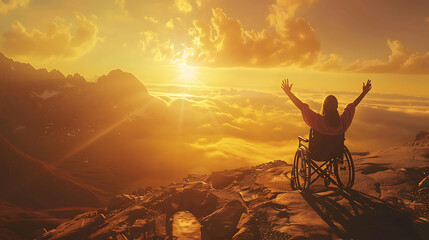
x=325 y=147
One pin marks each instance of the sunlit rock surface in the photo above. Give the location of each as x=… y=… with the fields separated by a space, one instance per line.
x=258 y=203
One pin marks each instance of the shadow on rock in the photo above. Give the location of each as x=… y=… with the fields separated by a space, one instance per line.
x=354 y=215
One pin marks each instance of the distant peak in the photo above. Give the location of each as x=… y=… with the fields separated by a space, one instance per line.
x=122 y=80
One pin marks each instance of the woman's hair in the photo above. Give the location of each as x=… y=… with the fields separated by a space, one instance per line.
x=330 y=111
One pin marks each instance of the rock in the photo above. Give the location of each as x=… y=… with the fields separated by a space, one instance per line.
x=118 y=201
x=246 y=228
x=222 y=223
x=199 y=202
x=222 y=179
x=424 y=183
x=244 y=220
x=160 y=224
x=248 y=196
x=137 y=212
x=244 y=234
x=124 y=221
x=99 y=219
x=121 y=237
x=78 y=228
x=142 y=226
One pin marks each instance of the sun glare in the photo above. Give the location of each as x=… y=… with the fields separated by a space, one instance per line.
x=187 y=74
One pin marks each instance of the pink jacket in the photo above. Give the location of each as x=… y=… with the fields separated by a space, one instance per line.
x=317 y=122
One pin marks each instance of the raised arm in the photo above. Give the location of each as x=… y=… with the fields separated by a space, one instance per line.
x=365 y=89
x=287 y=88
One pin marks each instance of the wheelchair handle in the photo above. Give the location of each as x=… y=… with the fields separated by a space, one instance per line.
x=302 y=139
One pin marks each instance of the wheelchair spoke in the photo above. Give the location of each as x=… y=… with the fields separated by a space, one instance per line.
x=344 y=170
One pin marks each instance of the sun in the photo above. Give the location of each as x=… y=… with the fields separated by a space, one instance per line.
x=187 y=73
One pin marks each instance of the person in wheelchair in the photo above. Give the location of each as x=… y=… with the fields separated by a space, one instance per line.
x=326 y=142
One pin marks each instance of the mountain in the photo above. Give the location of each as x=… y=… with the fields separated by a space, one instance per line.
x=388 y=201
x=72 y=124
x=56 y=138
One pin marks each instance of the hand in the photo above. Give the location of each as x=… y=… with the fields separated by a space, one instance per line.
x=366 y=87
x=286 y=86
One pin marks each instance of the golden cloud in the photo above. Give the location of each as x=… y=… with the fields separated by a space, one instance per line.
x=334 y=62
x=233 y=128
x=283 y=11
x=148 y=38
x=183 y=5
x=225 y=43
x=6 y=6
x=57 y=41
x=160 y=50
x=401 y=60
x=170 y=24
x=150 y=19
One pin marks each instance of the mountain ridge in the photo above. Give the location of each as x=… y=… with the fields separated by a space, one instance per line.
x=388 y=201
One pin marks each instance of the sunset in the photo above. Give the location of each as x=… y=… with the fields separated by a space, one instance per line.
x=103 y=98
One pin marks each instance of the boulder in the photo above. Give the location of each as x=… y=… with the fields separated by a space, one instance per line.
x=222 y=179
x=246 y=228
x=78 y=228
x=200 y=202
x=244 y=234
x=222 y=223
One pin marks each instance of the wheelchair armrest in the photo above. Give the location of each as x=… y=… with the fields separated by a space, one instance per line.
x=302 y=139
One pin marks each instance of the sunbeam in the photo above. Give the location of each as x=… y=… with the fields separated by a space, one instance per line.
x=101 y=134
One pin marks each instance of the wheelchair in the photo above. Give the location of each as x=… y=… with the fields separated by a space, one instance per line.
x=325 y=157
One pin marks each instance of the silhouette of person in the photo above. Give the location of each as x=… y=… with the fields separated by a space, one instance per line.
x=329 y=121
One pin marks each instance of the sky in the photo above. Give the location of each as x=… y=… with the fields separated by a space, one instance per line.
x=229 y=57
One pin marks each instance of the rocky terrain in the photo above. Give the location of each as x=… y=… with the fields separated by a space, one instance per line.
x=388 y=201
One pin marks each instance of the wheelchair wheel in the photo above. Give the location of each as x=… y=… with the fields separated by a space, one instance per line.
x=344 y=170
x=301 y=170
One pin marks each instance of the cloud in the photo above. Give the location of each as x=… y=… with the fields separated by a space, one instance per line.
x=160 y=50
x=400 y=60
x=150 y=19
x=163 y=50
x=60 y=40
x=283 y=11
x=225 y=43
x=6 y=6
x=183 y=5
x=148 y=38
x=227 y=128
x=334 y=62
x=170 y=24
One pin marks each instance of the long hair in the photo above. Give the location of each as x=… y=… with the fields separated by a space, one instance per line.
x=330 y=111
